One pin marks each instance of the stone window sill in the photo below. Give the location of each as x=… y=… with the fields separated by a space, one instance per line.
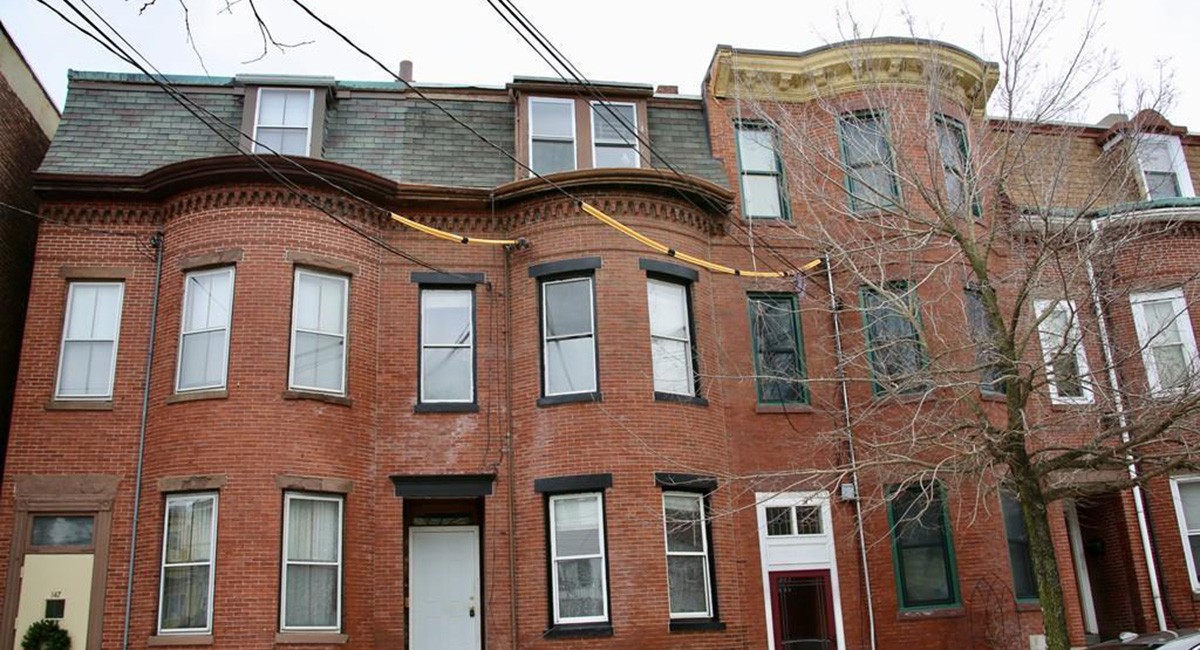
x=198 y=395
x=552 y=400
x=163 y=640
x=311 y=638
x=340 y=400
x=697 y=625
x=446 y=407
x=660 y=396
x=953 y=611
x=79 y=405
x=789 y=409
x=579 y=630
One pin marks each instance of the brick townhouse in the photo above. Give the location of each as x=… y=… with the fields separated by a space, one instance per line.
x=254 y=411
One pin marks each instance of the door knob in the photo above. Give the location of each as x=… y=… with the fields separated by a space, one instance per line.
x=472 y=611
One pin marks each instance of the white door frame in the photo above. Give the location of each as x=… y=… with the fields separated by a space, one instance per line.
x=474 y=530
x=1082 y=579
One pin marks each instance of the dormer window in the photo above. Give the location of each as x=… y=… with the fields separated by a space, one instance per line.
x=1164 y=169
x=283 y=123
x=551 y=134
x=614 y=135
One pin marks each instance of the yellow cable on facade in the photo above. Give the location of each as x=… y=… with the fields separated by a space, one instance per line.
x=696 y=261
x=449 y=236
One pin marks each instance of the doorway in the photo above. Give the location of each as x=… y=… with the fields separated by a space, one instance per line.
x=445 y=609
x=802 y=606
x=56 y=575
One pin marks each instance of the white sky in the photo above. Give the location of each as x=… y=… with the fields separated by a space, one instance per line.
x=648 y=41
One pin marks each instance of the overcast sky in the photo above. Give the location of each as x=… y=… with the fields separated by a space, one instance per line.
x=648 y=41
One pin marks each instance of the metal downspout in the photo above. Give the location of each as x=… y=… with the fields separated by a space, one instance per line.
x=508 y=449
x=157 y=242
x=1119 y=401
x=835 y=308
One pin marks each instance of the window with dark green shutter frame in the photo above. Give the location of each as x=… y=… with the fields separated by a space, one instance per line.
x=1024 y=580
x=924 y=557
x=867 y=158
x=983 y=335
x=778 y=349
x=897 y=357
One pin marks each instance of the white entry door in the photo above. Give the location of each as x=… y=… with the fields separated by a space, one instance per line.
x=443 y=579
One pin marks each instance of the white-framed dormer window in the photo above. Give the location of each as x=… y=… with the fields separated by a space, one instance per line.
x=1163 y=166
x=87 y=360
x=1165 y=337
x=189 y=548
x=1062 y=350
x=311 y=598
x=551 y=134
x=672 y=354
x=319 y=306
x=204 y=335
x=1185 y=492
x=688 y=584
x=447 y=345
x=578 y=573
x=283 y=121
x=614 y=135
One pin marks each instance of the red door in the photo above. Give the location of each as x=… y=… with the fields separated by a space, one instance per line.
x=802 y=610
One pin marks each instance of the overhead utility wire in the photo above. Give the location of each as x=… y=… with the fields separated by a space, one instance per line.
x=324 y=23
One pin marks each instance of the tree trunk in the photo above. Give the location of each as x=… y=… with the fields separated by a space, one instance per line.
x=1041 y=550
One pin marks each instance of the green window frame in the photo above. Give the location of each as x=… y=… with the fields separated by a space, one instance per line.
x=1019 y=557
x=956 y=163
x=868 y=161
x=894 y=348
x=991 y=381
x=776 y=334
x=756 y=175
x=922 y=547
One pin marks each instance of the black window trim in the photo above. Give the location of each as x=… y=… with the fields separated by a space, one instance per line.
x=582 y=267
x=703 y=486
x=442 y=283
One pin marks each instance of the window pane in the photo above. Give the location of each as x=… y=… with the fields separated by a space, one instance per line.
x=189 y=530
x=294 y=142
x=1189 y=494
x=318 y=362
x=1160 y=321
x=207 y=302
x=614 y=128
x=1024 y=582
x=808 y=520
x=312 y=533
x=202 y=360
x=1194 y=546
x=863 y=140
x=570 y=366
x=925 y=579
x=950 y=146
x=872 y=186
x=268 y=140
x=580 y=588
x=686 y=580
x=668 y=309
x=576 y=526
x=756 y=150
x=568 y=308
x=446 y=374
x=311 y=596
x=185 y=597
x=446 y=317
x=760 y=193
x=1162 y=185
x=93 y=311
x=550 y=156
x=271 y=107
x=62 y=531
x=551 y=119
x=1172 y=366
x=684 y=522
x=320 y=303
x=295 y=111
x=672 y=362
x=616 y=156
x=86 y=369
x=779 y=521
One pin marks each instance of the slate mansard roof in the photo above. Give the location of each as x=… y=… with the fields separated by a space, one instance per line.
x=118 y=124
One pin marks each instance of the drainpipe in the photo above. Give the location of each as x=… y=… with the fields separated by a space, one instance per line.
x=1122 y=418
x=508 y=448
x=157 y=242
x=835 y=308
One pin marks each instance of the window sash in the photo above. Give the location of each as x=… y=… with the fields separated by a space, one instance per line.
x=191 y=282
x=867 y=156
x=548 y=374
x=1057 y=344
x=166 y=564
x=556 y=559
x=340 y=335
x=679 y=293
x=1019 y=556
x=283 y=126
x=624 y=139
x=1178 y=334
x=1189 y=534
x=773 y=206
x=990 y=379
x=90 y=342
x=535 y=137
x=791 y=389
x=468 y=344
x=289 y=499
x=702 y=524
x=893 y=338
x=918 y=500
x=952 y=147
x=1163 y=166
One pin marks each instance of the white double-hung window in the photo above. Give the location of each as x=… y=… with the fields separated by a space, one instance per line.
x=674 y=360
x=447 y=345
x=91 y=328
x=1164 y=169
x=688 y=584
x=551 y=134
x=318 y=359
x=614 y=135
x=283 y=121
x=578 y=573
x=1185 y=491
x=569 y=336
x=312 y=562
x=1165 y=337
x=189 y=548
x=204 y=335
x=1062 y=350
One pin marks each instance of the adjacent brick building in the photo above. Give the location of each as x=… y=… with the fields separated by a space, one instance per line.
x=342 y=432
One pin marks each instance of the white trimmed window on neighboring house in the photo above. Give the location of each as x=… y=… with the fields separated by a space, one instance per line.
x=283 y=121
x=1165 y=337
x=1062 y=351
x=88 y=358
x=189 y=549
x=1185 y=491
x=1163 y=166
x=311 y=598
x=319 y=307
x=204 y=334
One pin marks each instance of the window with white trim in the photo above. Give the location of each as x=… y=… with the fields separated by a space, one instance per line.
x=551 y=134
x=283 y=121
x=614 y=135
x=189 y=549
x=318 y=358
x=91 y=329
x=447 y=345
x=1164 y=332
x=1163 y=166
x=1185 y=492
x=671 y=349
x=1062 y=351
x=578 y=572
x=688 y=582
x=568 y=336
x=204 y=334
x=311 y=597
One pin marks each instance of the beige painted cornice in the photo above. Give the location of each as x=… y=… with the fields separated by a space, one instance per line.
x=853 y=66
